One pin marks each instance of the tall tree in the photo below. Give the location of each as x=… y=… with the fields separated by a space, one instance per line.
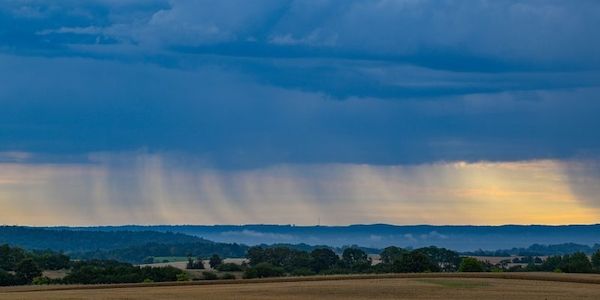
x=414 y=262
x=28 y=269
x=390 y=254
x=355 y=259
x=596 y=261
x=323 y=259
x=470 y=264
x=215 y=261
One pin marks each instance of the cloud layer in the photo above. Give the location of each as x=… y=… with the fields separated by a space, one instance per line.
x=506 y=32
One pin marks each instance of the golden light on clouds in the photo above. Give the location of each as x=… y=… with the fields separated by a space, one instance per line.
x=150 y=190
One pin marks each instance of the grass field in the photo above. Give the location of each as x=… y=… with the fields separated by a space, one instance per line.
x=399 y=286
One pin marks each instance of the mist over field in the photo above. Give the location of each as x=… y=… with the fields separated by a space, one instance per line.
x=459 y=238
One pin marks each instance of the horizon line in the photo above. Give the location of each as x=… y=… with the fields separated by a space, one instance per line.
x=301 y=225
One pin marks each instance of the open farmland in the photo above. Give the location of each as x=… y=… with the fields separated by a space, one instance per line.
x=398 y=286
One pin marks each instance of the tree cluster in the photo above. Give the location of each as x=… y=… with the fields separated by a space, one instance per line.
x=429 y=259
x=146 y=252
x=280 y=261
x=570 y=263
x=106 y=271
x=18 y=266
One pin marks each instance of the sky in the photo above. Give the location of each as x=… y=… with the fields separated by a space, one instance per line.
x=291 y=112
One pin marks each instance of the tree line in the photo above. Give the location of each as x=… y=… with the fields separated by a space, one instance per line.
x=18 y=266
x=577 y=262
x=281 y=261
x=145 y=253
x=538 y=250
x=80 y=241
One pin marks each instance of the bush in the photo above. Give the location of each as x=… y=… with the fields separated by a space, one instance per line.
x=264 y=270
x=28 y=269
x=250 y=273
x=209 y=275
x=7 y=279
x=228 y=276
x=414 y=262
x=336 y=271
x=183 y=277
x=42 y=280
x=160 y=274
x=303 y=272
x=470 y=264
x=98 y=272
x=229 y=267
x=516 y=268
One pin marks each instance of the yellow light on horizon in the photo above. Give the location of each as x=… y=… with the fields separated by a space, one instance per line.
x=147 y=192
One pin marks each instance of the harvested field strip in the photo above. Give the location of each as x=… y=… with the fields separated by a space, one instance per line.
x=454 y=283
x=349 y=289
x=556 y=277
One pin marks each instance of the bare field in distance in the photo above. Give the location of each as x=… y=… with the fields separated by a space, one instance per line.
x=391 y=286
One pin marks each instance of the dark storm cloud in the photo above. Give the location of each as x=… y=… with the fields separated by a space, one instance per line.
x=473 y=35
x=226 y=117
x=240 y=83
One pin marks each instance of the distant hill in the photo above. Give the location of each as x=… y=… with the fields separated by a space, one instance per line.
x=79 y=241
x=136 y=243
x=460 y=238
x=131 y=246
